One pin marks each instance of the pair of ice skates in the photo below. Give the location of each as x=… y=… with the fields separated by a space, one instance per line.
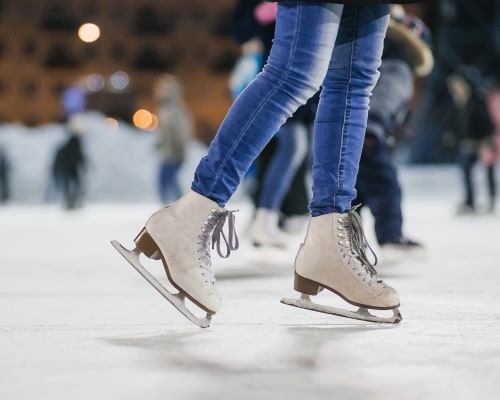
x=332 y=257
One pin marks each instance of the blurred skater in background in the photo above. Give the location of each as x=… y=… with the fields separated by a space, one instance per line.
x=275 y=168
x=68 y=167
x=175 y=128
x=69 y=161
x=477 y=125
x=407 y=54
x=4 y=176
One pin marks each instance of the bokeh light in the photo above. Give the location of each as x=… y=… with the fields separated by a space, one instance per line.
x=119 y=80
x=89 y=32
x=94 y=82
x=144 y=119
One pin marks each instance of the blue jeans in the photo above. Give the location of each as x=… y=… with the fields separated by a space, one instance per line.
x=291 y=149
x=168 y=185
x=316 y=44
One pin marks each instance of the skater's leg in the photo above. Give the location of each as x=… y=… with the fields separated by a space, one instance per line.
x=168 y=184
x=290 y=151
x=342 y=114
x=492 y=187
x=294 y=72
x=467 y=159
x=378 y=182
x=333 y=253
x=295 y=207
x=182 y=233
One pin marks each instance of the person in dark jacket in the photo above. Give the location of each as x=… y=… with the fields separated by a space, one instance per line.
x=476 y=130
x=68 y=167
x=4 y=176
x=407 y=54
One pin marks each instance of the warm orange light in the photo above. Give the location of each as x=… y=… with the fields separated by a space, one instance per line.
x=89 y=33
x=143 y=119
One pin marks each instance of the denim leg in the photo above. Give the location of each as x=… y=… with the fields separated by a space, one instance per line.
x=304 y=38
x=343 y=108
x=168 y=185
x=290 y=151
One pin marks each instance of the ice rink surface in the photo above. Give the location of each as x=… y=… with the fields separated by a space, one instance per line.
x=77 y=322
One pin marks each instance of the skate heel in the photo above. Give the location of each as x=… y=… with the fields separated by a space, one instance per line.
x=147 y=245
x=306 y=286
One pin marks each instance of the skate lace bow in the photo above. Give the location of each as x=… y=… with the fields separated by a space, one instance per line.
x=357 y=240
x=231 y=242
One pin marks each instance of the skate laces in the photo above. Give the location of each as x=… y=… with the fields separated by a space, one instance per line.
x=211 y=232
x=355 y=240
x=232 y=243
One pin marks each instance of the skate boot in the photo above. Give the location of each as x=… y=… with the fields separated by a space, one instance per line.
x=333 y=257
x=265 y=229
x=181 y=235
x=400 y=249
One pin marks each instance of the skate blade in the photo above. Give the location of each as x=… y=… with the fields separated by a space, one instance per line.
x=361 y=314
x=176 y=299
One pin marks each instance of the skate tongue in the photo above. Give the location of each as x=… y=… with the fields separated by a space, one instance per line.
x=233 y=242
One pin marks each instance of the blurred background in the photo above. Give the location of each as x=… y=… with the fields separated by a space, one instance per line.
x=104 y=57
x=45 y=46
x=112 y=52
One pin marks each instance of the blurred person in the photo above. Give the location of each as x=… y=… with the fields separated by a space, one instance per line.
x=4 y=176
x=276 y=166
x=407 y=54
x=316 y=44
x=476 y=129
x=493 y=101
x=283 y=169
x=466 y=34
x=175 y=129
x=69 y=161
x=274 y=178
x=69 y=164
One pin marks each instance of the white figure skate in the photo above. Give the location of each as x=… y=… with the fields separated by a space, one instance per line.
x=333 y=257
x=400 y=250
x=265 y=230
x=181 y=237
